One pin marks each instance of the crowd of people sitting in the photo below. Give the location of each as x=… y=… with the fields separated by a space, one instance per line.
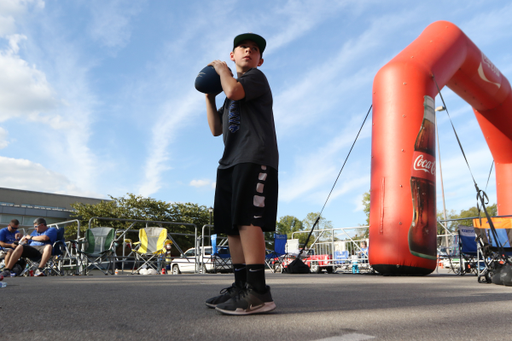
x=16 y=247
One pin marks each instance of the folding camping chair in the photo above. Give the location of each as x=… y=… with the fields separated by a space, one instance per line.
x=495 y=244
x=221 y=256
x=151 y=247
x=274 y=259
x=52 y=265
x=65 y=256
x=470 y=262
x=98 y=248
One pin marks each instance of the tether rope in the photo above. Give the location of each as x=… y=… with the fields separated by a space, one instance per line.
x=489 y=177
x=335 y=182
x=481 y=196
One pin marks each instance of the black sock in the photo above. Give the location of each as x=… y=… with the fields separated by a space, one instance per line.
x=240 y=274
x=256 y=277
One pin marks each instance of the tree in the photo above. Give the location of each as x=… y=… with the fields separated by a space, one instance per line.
x=323 y=224
x=473 y=212
x=470 y=213
x=136 y=207
x=366 y=207
x=288 y=224
x=366 y=210
x=450 y=225
x=307 y=225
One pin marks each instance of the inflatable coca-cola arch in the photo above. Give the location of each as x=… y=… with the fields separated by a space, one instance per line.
x=402 y=104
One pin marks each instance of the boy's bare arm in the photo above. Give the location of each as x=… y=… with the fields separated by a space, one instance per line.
x=231 y=87
x=213 y=117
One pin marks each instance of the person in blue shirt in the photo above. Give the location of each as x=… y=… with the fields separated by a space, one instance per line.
x=38 y=245
x=9 y=239
x=363 y=252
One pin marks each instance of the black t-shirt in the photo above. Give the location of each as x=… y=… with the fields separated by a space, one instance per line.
x=248 y=124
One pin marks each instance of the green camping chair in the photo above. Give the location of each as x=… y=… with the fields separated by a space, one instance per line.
x=98 y=250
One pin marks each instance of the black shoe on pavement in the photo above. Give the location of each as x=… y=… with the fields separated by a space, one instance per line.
x=248 y=301
x=225 y=295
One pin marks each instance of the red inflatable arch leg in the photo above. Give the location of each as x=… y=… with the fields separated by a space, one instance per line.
x=402 y=199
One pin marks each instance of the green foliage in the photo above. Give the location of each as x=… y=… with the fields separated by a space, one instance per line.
x=366 y=210
x=473 y=212
x=451 y=225
x=136 y=207
x=323 y=224
x=366 y=207
x=469 y=214
x=288 y=224
x=307 y=224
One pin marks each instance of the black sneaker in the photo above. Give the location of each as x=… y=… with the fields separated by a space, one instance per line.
x=6 y=273
x=225 y=295
x=248 y=301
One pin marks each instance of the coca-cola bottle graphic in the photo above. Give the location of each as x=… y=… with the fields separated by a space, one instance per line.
x=423 y=229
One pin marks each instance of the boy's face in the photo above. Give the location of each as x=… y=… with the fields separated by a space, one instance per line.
x=246 y=56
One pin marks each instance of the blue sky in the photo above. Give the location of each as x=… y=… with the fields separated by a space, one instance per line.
x=97 y=98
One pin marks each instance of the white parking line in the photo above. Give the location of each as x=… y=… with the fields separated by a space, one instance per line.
x=348 y=337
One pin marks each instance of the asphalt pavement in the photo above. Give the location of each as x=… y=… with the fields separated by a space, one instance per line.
x=310 y=307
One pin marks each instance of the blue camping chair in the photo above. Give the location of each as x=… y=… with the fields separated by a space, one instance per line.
x=221 y=256
x=471 y=262
x=53 y=266
x=274 y=259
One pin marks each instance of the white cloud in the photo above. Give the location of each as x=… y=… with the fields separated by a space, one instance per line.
x=458 y=184
x=7 y=25
x=110 y=24
x=358 y=203
x=325 y=85
x=3 y=138
x=489 y=27
x=319 y=168
x=200 y=183
x=24 y=90
x=18 y=6
x=299 y=17
x=11 y=8
x=174 y=115
x=28 y=175
x=26 y=93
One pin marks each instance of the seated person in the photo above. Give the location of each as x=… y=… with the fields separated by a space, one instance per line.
x=37 y=245
x=9 y=239
x=363 y=252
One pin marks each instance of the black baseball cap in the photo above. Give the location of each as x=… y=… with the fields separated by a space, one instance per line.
x=259 y=40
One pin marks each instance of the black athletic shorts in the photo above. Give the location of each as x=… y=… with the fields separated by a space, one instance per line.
x=33 y=252
x=245 y=194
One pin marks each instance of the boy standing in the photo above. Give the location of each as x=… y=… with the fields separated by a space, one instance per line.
x=246 y=190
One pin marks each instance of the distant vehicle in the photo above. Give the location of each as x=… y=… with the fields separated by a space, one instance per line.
x=316 y=263
x=206 y=262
